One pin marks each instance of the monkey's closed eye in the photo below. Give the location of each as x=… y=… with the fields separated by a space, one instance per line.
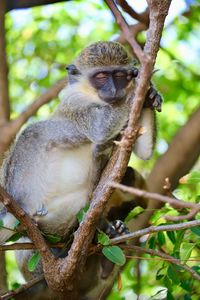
x=101 y=78
x=120 y=74
x=101 y=75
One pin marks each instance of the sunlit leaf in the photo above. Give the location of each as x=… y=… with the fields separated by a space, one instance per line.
x=114 y=254
x=135 y=212
x=103 y=239
x=186 y=250
x=81 y=214
x=33 y=261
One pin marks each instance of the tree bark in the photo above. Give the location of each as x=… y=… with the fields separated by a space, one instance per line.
x=3 y=276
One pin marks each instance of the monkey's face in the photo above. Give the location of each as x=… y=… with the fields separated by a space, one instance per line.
x=112 y=83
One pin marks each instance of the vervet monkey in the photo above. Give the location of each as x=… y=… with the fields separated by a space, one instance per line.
x=54 y=164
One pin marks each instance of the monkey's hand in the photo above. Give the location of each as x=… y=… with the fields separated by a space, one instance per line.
x=153 y=99
x=116 y=228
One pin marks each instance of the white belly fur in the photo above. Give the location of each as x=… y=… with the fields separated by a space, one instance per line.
x=68 y=180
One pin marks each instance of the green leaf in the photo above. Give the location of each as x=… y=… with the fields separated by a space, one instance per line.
x=103 y=239
x=15 y=285
x=81 y=214
x=180 y=236
x=186 y=250
x=191 y=178
x=161 y=238
x=33 y=261
x=133 y=213
x=173 y=275
x=171 y=236
x=15 y=237
x=114 y=254
x=186 y=285
x=1 y=223
x=194 y=177
x=169 y=296
x=196 y=269
x=160 y=273
x=53 y=238
x=152 y=242
x=196 y=230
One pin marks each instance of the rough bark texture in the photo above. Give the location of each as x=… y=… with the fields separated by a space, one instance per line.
x=3 y=274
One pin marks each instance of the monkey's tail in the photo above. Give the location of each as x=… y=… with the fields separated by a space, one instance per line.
x=7 y=226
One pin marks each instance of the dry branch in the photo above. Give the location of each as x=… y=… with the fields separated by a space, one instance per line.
x=147 y=195
x=21 y=289
x=152 y=229
x=142 y=17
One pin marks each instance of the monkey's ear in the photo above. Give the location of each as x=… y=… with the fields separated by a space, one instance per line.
x=73 y=73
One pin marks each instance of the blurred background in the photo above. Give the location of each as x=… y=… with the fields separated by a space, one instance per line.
x=42 y=40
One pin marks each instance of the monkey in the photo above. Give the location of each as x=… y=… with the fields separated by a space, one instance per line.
x=55 y=164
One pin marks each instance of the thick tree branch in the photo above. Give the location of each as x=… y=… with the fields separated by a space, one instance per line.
x=15 y=4
x=4 y=96
x=34 y=233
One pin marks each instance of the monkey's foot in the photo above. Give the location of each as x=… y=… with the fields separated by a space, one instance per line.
x=116 y=228
x=153 y=99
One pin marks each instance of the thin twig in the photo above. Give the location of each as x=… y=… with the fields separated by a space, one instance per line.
x=22 y=288
x=148 y=195
x=152 y=229
x=166 y=257
x=125 y=29
x=142 y=17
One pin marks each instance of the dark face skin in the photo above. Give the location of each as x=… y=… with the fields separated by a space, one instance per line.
x=111 y=84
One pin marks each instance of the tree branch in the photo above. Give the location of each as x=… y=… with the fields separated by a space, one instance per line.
x=16 y=4
x=144 y=194
x=22 y=288
x=142 y=18
x=125 y=29
x=166 y=257
x=153 y=229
